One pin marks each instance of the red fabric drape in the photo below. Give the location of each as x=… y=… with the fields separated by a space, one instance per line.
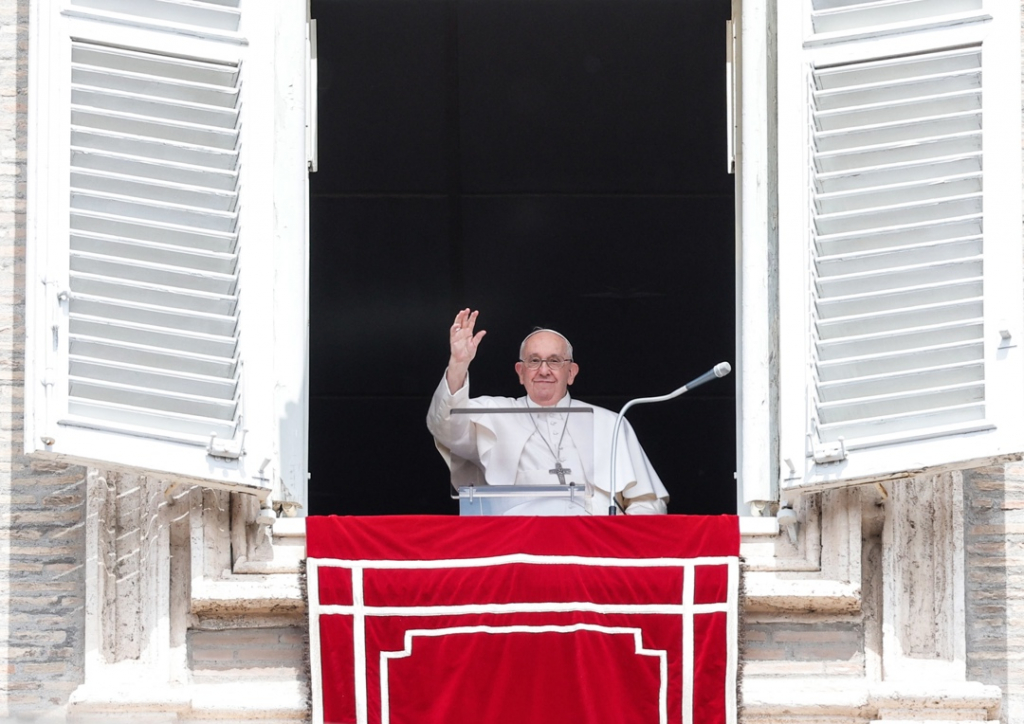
x=523 y=619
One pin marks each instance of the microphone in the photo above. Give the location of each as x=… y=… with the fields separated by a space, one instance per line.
x=719 y=370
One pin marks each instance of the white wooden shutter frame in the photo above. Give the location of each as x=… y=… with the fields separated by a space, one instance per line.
x=900 y=238
x=156 y=238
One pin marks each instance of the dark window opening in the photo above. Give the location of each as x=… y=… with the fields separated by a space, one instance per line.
x=550 y=162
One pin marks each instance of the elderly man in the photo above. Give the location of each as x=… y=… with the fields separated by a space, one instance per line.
x=545 y=369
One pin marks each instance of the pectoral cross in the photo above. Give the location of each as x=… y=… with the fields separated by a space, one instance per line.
x=560 y=472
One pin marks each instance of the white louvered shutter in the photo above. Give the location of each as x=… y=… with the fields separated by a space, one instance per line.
x=156 y=301
x=900 y=237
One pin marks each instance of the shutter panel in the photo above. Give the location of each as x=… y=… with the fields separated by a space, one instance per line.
x=150 y=242
x=908 y=265
x=154 y=255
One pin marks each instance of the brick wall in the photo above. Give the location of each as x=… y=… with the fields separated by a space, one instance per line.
x=42 y=507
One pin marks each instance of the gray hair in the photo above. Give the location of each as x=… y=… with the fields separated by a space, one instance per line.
x=537 y=330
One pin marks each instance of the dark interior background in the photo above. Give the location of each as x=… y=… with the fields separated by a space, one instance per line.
x=559 y=163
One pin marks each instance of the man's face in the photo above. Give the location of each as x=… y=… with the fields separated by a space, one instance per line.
x=546 y=386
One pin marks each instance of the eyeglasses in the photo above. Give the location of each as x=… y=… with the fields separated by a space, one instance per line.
x=553 y=363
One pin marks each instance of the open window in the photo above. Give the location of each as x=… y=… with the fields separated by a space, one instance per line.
x=899 y=238
x=166 y=274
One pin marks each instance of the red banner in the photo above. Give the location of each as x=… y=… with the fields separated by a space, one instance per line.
x=508 y=620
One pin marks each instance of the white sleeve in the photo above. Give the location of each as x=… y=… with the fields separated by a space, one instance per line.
x=452 y=434
x=647 y=507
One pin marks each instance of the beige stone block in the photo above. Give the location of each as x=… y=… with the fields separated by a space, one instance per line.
x=54 y=551
x=764 y=654
x=40 y=637
x=294 y=638
x=40 y=465
x=51 y=669
x=269 y=655
x=64 y=500
x=212 y=655
x=45 y=517
x=814 y=637
x=26 y=587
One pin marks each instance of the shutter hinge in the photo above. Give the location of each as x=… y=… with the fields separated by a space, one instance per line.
x=224 y=450
x=830 y=452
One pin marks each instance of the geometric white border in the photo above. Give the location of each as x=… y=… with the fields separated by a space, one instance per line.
x=359 y=611
x=386 y=656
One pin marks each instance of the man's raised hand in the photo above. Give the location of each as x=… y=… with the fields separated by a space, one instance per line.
x=463 y=340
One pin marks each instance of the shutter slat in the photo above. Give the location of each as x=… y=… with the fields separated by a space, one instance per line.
x=891 y=362
x=161 y=338
x=831 y=18
x=165 y=150
x=872 y=260
x=898 y=320
x=911 y=340
x=143 y=356
x=832 y=244
x=153 y=253
x=150 y=423
x=909 y=425
x=921 y=295
x=133 y=124
x=900 y=277
x=896 y=90
x=167 y=213
x=133 y=104
x=891 y=70
x=154 y=273
x=901 y=402
x=153 y=379
x=141 y=167
x=144 y=85
x=113 y=392
x=186 y=12
x=154 y=316
x=911 y=150
x=950 y=124
x=901 y=173
x=936 y=189
x=97 y=286
x=879 y=114
x=156 y=232
x=909 y=212
x=878 y=386
x=166 y=68
x=153 y=190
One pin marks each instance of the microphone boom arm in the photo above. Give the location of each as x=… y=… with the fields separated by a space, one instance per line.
x=720 y=370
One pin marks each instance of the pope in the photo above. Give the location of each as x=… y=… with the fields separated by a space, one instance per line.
x=515 y=449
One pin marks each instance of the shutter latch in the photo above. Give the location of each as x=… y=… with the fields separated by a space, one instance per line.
x=830 y=452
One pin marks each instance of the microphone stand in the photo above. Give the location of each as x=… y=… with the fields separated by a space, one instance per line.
x=720 y=370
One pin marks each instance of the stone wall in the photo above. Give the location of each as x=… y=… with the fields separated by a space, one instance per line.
x=42 y=507
x=994 y=531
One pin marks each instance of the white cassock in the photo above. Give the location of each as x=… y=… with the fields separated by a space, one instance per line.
x=512 y=449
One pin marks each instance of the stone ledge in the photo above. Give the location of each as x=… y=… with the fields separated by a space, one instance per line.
x=262 y=701
x=248 y=594
x=764 y=591
x=825 y=699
